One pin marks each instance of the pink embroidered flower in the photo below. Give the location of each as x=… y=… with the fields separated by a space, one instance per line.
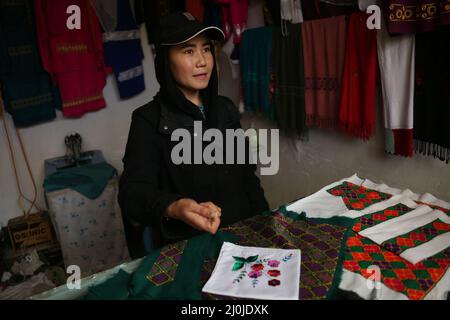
x=273 y=263
x=257 y=267
x=274 y=282
x=274 y=273
x=255 y=274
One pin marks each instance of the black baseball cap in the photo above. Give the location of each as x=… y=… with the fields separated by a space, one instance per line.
x=180 y=27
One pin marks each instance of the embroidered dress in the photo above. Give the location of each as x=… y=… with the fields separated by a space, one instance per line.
x=123 y=52
x=256 y=273
x=28 y=93
x=74 y=58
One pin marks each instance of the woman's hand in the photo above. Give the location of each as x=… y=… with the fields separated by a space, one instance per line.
x=203 y=217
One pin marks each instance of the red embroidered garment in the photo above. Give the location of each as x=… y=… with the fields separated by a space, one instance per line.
x=74 y=58
x=323 y=54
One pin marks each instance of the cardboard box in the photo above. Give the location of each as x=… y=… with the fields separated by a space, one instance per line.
x=25 y=232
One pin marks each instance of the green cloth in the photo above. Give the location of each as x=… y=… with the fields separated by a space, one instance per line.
x=89 y=180
x=288 y=68
x=186 y=285
x=115 y=288
x=28 y=93
x=256 y=61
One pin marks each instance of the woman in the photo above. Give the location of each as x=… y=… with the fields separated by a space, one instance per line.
x=182 y=200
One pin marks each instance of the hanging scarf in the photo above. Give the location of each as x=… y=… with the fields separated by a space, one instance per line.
x=289 y=100
x=256 y=54
x=323 y=49
x=415 y=16
x=396 y=57
x=358 y=102
x=432 y=94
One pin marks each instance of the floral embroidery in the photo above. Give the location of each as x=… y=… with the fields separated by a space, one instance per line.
x=273 y=263
x=257 y=269
x=274 y=282
x=255 y=274
x=274 y=273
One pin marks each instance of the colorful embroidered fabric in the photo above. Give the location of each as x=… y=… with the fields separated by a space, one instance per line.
x=414 y=16
x=165 y=267
x=380 y=216
x=319 y=244
x=357 y=197
x=435 y=207
x=414 y=281
x=416 y=237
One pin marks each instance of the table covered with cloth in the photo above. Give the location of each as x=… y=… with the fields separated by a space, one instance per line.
x=179 y=270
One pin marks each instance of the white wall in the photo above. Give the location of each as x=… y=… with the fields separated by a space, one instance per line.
x=106 y=130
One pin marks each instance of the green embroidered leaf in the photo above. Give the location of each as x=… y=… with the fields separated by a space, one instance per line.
x=239 y=259
x=238 y=265
x=251 y=259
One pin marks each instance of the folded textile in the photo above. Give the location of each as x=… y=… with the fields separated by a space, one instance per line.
x=256 y=273
x=89 y=180
x=348 y=197
x=398 y=233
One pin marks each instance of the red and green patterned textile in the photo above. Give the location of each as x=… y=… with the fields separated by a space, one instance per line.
x=416 y=237
x=414 y=281
x=380 y=216
x=357 y=197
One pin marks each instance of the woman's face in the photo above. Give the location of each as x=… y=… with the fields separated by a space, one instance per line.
x=191 y=64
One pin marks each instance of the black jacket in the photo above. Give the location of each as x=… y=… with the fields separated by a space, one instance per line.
x=151 y=182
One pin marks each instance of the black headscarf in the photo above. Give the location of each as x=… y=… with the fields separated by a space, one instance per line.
x=169 y=91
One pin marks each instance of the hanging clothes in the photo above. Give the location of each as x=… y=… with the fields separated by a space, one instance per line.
x=324 y=52
x=319 y=9
x=196 y=8
x=272 y=12
x=432 y=94
x=288 y=71
x=396 y=56
x=29 y=95
x=123 y=50
x=74 y=58
x=256 y=56
x=416 y=16
x=291 y=10
x=358 y=101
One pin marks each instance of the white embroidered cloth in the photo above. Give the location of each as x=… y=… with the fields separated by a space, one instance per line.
x=256 y=273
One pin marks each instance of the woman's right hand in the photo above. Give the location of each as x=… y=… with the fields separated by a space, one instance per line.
x=203 y=217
